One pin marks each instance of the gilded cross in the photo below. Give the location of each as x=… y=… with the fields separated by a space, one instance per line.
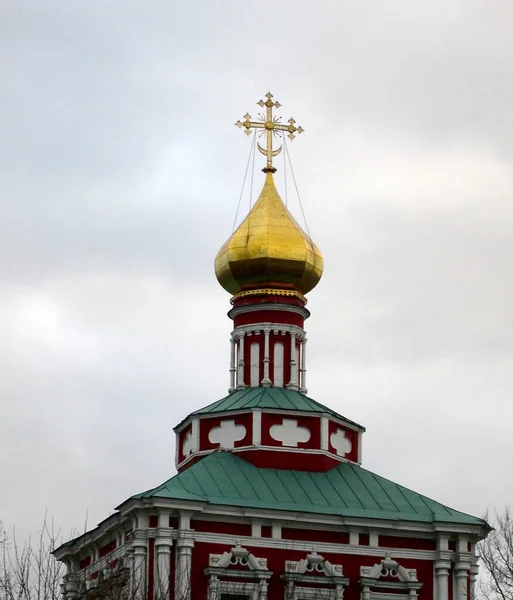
x=271 y=126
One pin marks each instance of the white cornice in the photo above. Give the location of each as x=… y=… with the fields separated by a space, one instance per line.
x=258 y=328
x=301 y=520
x=280 y=411
x=328 y=547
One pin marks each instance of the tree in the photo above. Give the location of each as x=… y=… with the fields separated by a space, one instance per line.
x=496 y=556
x=30 y=572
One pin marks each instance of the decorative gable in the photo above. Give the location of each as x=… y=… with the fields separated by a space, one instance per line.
x=237 y=572
x=313 y=577
x=388 y=579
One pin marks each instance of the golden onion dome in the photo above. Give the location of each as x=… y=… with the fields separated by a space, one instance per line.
x=269 y=250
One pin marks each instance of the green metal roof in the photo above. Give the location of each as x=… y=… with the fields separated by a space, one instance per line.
x=271 y=397
x=348 y=490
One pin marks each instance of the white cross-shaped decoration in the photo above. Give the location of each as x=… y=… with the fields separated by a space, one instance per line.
x=226 y=434
x=339 y=441
x=188 y=444
x=289 y=433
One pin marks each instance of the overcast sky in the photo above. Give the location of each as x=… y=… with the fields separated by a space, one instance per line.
x=120 y=172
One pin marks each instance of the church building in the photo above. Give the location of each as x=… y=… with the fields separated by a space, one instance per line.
x=270 y=500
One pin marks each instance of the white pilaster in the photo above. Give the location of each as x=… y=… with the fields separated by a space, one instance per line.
x=442 y=569
x=240 y=362
x=293 y=363
x=163 y=545
x=139 y=568
x=461 y=571
x=325 y=424
x=256 y=529
x=257 y=427
x=184 y=546
x=354 y=537
x=233 y=369
x=303 y=389
x=474 y=571
x=266 y=381
x=71 y=586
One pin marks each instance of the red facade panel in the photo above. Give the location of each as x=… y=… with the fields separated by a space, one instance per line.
x=312 y=423
x=315 y=535
x=224 y=527
x=350 y=434
x=206 y=426
x=276 y=562
x=269 y=316
x=183 y=436
x=104 y=550
x=392 y=541
x=279 y=459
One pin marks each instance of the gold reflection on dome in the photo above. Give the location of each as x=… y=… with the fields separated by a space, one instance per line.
x=269 y=250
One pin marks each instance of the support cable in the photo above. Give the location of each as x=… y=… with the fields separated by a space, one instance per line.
x=252 y=172
x=297 y=191
x=285 y=176
x=251 y=152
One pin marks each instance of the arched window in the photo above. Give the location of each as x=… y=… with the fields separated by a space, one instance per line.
x=254 y=378
x=278 y=365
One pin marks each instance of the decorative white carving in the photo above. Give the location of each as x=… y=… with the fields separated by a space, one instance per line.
x=238 y=556
x=289 y=433
x=250 y=581
x=189 y=444
x=303 y=578
x=389 y=568
x=406 y=580
x=226 y=434
x=339 y=441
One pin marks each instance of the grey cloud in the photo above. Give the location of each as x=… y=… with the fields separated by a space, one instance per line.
x=120 y=173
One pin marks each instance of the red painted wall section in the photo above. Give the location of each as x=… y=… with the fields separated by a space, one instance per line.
x=173 y=522
x=85 y=562
x=269 y=316
x=279 y=459
x=313 y=424
x=183 y=435
x=350 y=434
x=242 y=529
x=153 y=521
x=206 y=425
x=315 y=535
x=266 y=531
x=108 y=548
x=392 y=541
x=151 y=568
x=276 y=562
